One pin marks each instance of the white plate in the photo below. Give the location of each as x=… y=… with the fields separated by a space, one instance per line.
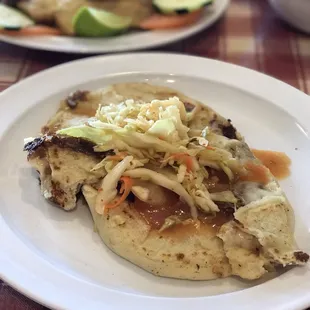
x=127 y=42
x=56 y=258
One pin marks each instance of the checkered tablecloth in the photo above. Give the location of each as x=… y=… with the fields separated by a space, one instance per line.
x=249 y=35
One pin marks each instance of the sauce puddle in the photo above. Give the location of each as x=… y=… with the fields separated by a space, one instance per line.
x=277 y=162
x=155 y=215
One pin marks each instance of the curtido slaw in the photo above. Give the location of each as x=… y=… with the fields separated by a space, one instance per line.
x=159 y=142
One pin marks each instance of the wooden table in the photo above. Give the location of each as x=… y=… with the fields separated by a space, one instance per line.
x=249 y=35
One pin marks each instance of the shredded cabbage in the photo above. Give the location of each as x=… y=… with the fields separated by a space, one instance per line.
x=159 y=142
x=226 y=169
x=95 y=135
x=181 y=173
x=226 y=196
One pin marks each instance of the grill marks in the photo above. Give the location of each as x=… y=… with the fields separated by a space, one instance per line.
x=32 y=146
x=61 y=179
x=225 y=127
x=301 y=256
x=76 y=144
x=229 y=131
x=73 y=99
x=189 y=107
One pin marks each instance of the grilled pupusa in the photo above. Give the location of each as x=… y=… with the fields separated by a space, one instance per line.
x=211 y=212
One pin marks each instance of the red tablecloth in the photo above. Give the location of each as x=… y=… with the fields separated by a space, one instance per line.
x=249 y=35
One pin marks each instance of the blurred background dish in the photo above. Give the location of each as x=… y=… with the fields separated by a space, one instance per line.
x=133 y=40
x=295 y=12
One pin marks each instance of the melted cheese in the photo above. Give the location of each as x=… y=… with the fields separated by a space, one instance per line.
x=251 y=191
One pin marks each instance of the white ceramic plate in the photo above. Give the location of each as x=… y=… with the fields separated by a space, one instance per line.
x=56 y=258
x=127 y=42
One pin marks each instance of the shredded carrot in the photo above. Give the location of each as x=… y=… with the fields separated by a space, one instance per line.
x=209 y=147
x=118 y=157
x=189 y=163
x=35 y=30
x=186 y=159
x=160 y=21
x=178 y=155
x=127 y=184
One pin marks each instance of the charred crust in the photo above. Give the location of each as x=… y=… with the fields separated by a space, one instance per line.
x=32 y=146
x=189 y=107
x=226 y=128
x=131 y=197
x=301 y=256
x=229 y=131
x=73 y=99
x=197 y=266
x=58 y=195
x=180 y=256
x=226 y=208
x=78 y=145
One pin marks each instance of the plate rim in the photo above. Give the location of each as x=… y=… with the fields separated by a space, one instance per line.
x=23 y=280
x=185 y=33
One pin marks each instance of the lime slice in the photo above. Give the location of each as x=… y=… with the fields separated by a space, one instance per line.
x=13 y=19
x=90 y=22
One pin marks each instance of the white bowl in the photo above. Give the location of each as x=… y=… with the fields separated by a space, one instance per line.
x=295 y=12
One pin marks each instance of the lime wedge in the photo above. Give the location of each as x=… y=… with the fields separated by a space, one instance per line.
x=13 y=19
x=90 y=22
